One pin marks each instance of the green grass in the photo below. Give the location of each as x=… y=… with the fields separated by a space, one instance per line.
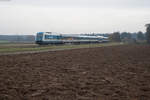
x=13 y=49
x=4 y=42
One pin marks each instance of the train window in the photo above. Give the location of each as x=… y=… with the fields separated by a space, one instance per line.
x=39 y=37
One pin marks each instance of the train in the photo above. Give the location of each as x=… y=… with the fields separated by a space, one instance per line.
x=45 y=38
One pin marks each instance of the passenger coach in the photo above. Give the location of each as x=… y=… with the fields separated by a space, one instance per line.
x=53 y=38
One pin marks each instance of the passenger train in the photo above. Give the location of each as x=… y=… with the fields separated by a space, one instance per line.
x=43 y=38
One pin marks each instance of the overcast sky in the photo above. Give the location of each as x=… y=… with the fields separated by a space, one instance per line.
x=73 y=16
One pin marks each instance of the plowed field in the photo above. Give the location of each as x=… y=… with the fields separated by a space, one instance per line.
x=105 y=73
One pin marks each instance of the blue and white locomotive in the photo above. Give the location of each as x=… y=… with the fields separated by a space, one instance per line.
x=53 y=38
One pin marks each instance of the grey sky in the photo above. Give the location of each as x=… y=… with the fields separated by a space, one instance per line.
x=73 y=16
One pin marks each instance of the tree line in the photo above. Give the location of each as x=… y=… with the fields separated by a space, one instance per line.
x=17 y=38
x=131 y=37
x=127 y=36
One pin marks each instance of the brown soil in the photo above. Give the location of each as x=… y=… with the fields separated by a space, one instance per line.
x=105 y=73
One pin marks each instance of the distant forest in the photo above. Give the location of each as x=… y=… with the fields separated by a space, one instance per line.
x=17 y=38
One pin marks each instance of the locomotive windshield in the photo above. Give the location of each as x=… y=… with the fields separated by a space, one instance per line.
x=39 y=36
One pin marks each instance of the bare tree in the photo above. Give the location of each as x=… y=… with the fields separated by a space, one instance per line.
x=115 y=37
x=148 y=33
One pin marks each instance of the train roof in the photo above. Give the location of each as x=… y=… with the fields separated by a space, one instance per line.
x=74 y=35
